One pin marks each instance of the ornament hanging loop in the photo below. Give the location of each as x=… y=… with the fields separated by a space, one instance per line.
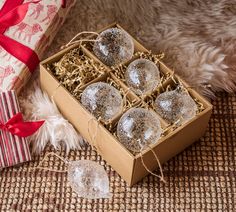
x=74 y=41
x=94 y=136
x=161 y=177
x=40 y=165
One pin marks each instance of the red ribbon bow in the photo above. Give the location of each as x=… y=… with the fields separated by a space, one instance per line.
x=17 y=126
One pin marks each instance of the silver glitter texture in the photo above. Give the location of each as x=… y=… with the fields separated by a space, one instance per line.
x=138 y=128
x=113 y=46
x=102 y=100
x=88 y=179
x=142 y=76
x=175 y=106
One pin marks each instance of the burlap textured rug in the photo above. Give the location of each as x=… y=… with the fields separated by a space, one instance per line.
x=202 y=178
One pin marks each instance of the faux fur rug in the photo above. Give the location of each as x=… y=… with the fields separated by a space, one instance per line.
x=198 y=37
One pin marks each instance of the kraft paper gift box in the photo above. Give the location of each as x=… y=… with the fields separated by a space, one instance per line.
x=26 y=30
x=128 y=165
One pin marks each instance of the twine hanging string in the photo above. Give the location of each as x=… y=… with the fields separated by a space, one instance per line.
x=41 y=167
x=74 y=41
x=55 y=91
x=161 y=177
x=93 y=136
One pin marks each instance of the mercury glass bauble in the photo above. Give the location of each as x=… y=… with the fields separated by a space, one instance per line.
x=138 y=128
x=102 y=100
x=176 y=105
x=88 y=179
x=113 y=46
x=142 y=76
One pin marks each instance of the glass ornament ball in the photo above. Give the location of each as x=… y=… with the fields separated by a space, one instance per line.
x=142 y=76
x=138 y=128
x=175 y=106
x=102 y=100
x=113 y=46
x=88 y=179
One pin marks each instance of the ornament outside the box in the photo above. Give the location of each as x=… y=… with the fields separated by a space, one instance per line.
x=142 y=76
x=138 y=128
x=175 y=106
x=113 y=46
x=102 y=100
x=87 y=178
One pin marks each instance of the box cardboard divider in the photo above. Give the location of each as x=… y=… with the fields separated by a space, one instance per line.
x=128 y=165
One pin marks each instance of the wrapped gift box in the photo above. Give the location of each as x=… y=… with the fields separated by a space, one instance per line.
x=13 y=149
x=127 y=164
x=35 y=31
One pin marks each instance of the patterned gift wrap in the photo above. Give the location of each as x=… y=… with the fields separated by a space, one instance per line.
x=36 y=31
x=13 y=149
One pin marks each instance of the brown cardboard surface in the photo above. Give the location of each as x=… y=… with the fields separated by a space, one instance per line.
x=124 y=162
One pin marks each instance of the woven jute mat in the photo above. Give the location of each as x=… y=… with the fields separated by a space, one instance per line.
x=202 y=178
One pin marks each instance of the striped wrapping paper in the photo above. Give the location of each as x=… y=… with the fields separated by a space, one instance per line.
x=13 y=149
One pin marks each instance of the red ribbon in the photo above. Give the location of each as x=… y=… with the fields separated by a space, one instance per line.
x=63 y=3
x=17 y=126
x=12 y=13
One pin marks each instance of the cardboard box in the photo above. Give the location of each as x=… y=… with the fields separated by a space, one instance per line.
x=128 y=165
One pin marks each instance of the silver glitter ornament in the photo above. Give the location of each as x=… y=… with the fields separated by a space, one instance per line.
x=138 y=128
x=142 y=76
x=88 y=179
x=102 y=100
x=176 y=105
x=113 y=46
